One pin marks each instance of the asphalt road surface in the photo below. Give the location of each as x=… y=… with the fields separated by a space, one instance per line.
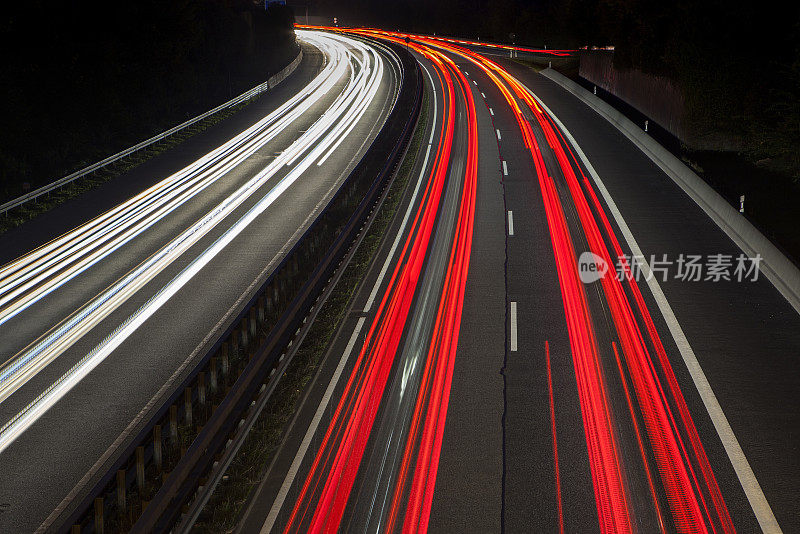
x=646 y=403
x=238 y=195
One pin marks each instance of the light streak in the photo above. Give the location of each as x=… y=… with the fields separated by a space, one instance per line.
x=348 y=107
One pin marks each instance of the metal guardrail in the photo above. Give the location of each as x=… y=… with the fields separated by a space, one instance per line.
x=373 y=171
x=247 y=95
x=288 y=294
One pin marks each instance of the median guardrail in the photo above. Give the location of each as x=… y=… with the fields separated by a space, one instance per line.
x=247 y=95
x=149 y=482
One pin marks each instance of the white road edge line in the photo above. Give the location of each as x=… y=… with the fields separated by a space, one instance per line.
x=505 y=168
x=283 y=492
x=312 y=429
x=510 y=223
x=755 y=495
x=513 y=321
x=389 y=257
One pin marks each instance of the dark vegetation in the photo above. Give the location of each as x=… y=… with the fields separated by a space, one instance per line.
x=86 y=79
x=738 y=64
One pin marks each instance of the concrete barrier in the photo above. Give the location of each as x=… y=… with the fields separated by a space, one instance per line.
x=777 y=268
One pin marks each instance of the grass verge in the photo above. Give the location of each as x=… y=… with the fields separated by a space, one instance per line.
x=223 y=510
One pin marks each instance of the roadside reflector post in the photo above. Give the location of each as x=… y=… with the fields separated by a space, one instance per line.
x=121 y=491
x=595 y=89
x=225 y=361
x=98 y=515
x=646 y=124
x=244 y=329
x=187 y=405
x=235 y=342
x=260 y=309
x=157 y=456
x=173 y=424
x=213 y=374
x=741 y=204
x=201 y=388
x=140 y=470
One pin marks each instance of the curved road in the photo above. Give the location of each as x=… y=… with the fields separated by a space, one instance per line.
x=95 y=321
x=647 y=403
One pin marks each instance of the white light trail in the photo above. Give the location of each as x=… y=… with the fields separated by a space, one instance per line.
x=326 y=132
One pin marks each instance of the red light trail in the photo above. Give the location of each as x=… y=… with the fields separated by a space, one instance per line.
x=684 y=493
x=325 y=493
x=333 y=472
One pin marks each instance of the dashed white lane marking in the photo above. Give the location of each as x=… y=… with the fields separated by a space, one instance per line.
x=505 y=168
x=499 y=137
x=483 y=94
x=491 y=111
x=476 y=83
x=513 y=318
x=752 y=489
x=510 y=222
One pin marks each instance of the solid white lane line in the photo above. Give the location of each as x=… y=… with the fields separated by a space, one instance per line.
x=755 y=495
x=513 y=319
x=491 y=111
x=410 y=208
x=283 y=492
x=510 y=222
x=505 y=168
x=499 y=137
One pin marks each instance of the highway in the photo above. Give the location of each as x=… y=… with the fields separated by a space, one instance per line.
x=522 y=356
x=95 y=321
x=479 y=384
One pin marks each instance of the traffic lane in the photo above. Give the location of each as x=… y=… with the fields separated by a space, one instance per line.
x=726 y=323
x=367 y=296
x=640 y=500
x=39 y=318
x=468 y=493
x=108 y=398
x=21 y=330
x=359 y=507
x=377 y=475
x=531 y=496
